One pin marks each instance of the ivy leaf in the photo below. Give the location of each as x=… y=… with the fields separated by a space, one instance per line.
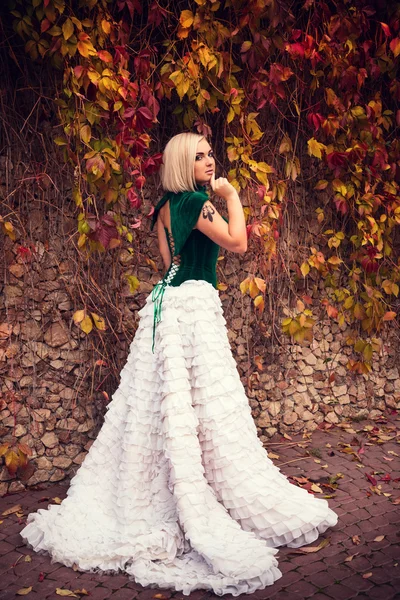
x=395 y=46
x=186 y=19
x=12 y=462
x=315 y=148
x=67 y=29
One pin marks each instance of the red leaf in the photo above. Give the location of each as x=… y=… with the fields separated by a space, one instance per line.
x=144 y=119
x=385 y=28
x=371 y=479
x=140 y=181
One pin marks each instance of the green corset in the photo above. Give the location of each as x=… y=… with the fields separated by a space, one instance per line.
x=197 y=254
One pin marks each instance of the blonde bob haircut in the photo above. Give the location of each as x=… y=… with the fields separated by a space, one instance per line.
x=177 y=170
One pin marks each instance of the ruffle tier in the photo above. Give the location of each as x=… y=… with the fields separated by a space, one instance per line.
x=177 y=489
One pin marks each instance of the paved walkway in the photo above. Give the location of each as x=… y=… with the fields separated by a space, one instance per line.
x=358 y=466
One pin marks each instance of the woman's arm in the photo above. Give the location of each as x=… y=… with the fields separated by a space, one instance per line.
x=163 y=243
x=232 y=235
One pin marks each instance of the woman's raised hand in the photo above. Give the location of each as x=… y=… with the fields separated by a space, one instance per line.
x=222 y=187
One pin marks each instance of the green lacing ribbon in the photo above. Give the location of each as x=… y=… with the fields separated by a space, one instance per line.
x=157 y=297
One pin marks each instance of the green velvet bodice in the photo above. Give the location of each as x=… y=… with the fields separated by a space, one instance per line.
x=197 y=253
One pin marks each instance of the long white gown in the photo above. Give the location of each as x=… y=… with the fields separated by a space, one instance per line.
x=177 y=489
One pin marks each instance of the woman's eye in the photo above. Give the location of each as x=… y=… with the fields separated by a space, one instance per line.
x=199 y=156
x=211 y=154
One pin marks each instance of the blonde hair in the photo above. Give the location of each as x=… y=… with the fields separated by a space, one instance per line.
x=177 y=170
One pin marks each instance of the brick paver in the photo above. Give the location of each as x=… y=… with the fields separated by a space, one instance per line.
x=357 y=563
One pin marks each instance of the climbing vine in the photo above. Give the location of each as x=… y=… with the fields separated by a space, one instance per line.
x=325 y=73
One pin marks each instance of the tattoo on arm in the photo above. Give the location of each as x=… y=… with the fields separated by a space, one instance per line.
x=208 y=212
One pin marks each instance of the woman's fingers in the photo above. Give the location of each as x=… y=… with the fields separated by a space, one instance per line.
x=212 y=181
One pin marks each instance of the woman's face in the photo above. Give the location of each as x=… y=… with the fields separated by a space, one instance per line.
x=204 y=165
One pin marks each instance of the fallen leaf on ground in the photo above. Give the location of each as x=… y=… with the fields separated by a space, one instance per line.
x=28 y=558
x=12 y=510
x=310 y=549
x=57 y=500
x=387 y=458
x=366 y=575
x=392 y=452
x=370 y=478
x=316 y=488
x=379 y=538
x=272 y=455
x=356 y=540
x=64 y=592
x=350 y=558
x=24 y=591
x=396 y=501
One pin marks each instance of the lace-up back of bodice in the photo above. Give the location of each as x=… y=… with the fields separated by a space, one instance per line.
x=194 y=255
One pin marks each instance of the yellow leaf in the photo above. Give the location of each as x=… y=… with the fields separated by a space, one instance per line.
x=350 y=558
x=314 y=148
x=28 y=558
x=87 y=324
x=379 y=538
x=133 y=282
x=253 y=289
x=82 y=240
x=106 y=26
x=78 y=316
x=186 y=19
x=244 y=285
x=260 y=283
x=311 y=549
x=57 y=500
x=305 y=268
x=64 y=592
x=67 y=29
x=86 y=134
x=222 y=287
x=231 y=115
x=11 y=510
x=259 y=303
x=98 y=321
x=24 y=591
x=316 y=488
x=12 y=461
x=273 y=455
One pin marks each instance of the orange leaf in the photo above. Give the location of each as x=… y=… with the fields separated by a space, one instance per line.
x=186 y=19
x=389 y=315
x=395 y=46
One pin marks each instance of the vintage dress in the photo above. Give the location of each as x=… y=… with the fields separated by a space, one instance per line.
x=177 y=489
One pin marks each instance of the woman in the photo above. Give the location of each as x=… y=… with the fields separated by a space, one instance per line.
x=177 y=489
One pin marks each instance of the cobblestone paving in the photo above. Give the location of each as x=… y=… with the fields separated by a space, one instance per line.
x=360 y=560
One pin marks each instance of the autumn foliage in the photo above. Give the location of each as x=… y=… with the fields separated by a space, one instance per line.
x=325 y=74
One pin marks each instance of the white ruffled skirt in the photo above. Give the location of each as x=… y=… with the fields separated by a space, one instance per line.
x=177 y=489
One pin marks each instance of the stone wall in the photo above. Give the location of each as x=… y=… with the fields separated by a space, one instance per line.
x=54 y=386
